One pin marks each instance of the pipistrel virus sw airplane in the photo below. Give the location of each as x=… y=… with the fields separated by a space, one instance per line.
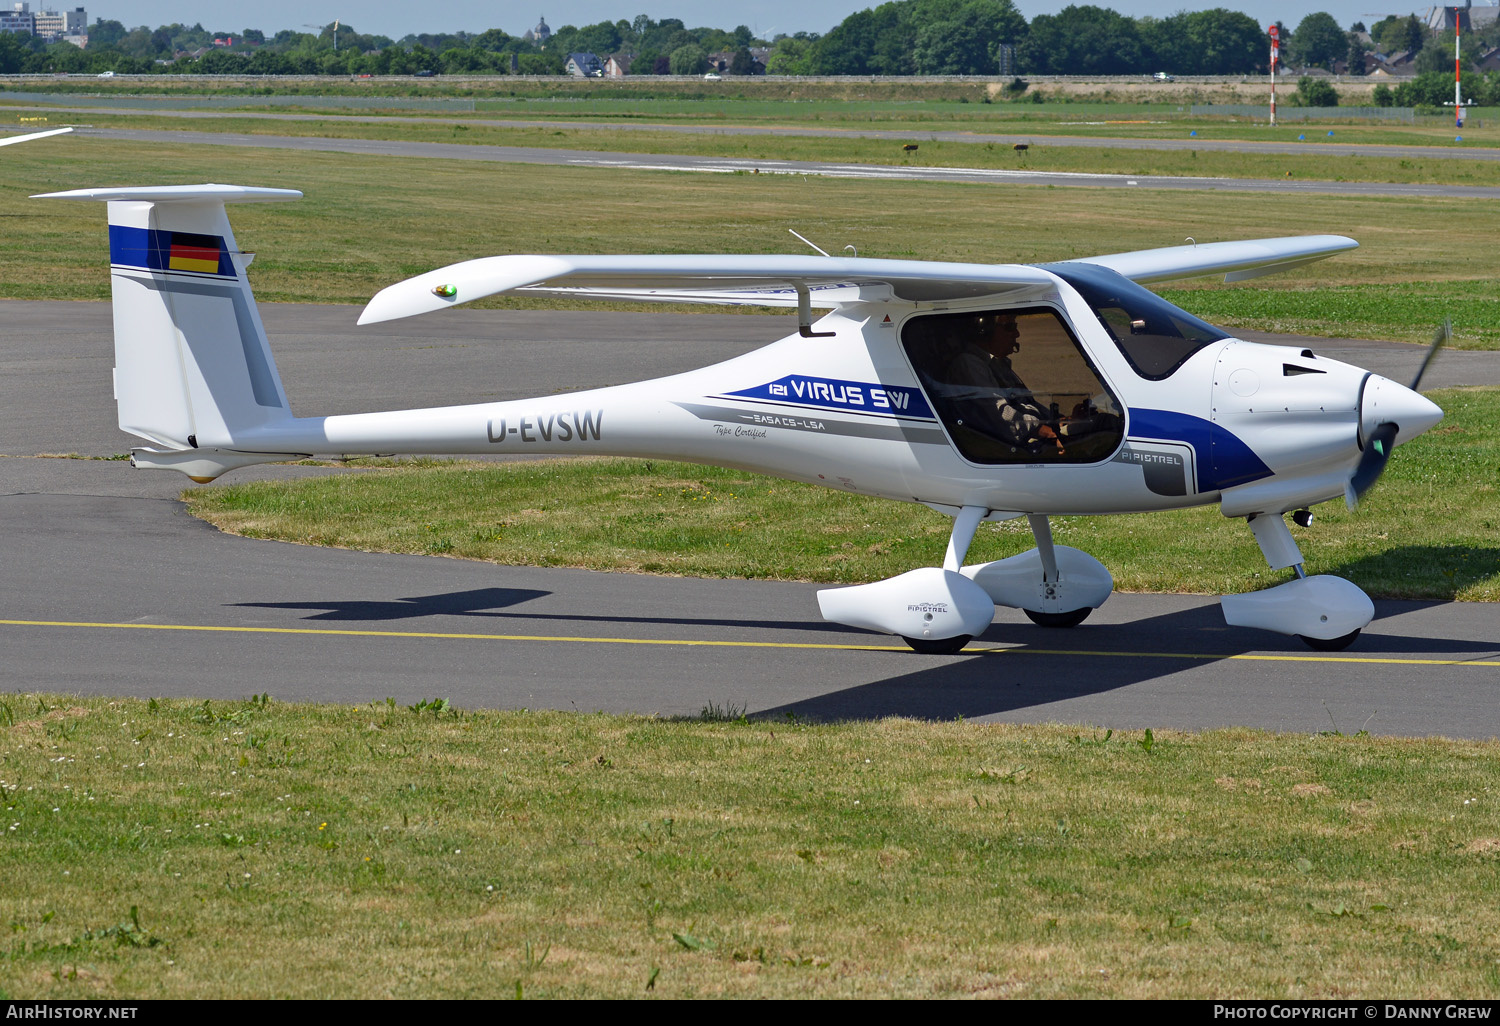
x=987 y=392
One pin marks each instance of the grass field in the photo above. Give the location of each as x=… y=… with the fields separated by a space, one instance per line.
x=850 y=104
x=174 y=849
x=1431 y=529
x=355 y=232
x=1311 y=166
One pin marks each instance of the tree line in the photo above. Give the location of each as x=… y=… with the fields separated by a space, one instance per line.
x=901 y=37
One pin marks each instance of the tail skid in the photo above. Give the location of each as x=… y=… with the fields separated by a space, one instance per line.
x=193 y=369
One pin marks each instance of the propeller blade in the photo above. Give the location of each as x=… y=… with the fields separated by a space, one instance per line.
x=1440 y=338
x=1372 y=463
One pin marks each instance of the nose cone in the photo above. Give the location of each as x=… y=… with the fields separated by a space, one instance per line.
x=1385 y=402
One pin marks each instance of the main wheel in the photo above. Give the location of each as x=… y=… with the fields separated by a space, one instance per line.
x=938 y=646
x=1069 y=619
x=1329 y=644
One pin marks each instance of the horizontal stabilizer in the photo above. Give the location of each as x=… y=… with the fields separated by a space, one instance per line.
x=760 y=280
x=1235 y=260
x=179 y=194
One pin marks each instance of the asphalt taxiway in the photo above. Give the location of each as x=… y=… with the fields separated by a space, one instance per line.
x=108 y=586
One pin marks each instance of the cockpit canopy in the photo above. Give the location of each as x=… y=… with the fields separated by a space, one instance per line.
x=1013 y=386
x=1155 y=336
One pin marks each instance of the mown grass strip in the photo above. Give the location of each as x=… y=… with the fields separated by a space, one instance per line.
x=766 y=102
x=1430 y=530
x=726 y=142
x=179 y=849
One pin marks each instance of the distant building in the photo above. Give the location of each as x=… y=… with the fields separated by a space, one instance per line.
x=618 y=65
x=1470 y=18
x=55 y=25
x=1397 y=65
x=584 y=65
x=1005 y=56
x=18 y=18
x=538 y=35
x=723 y=60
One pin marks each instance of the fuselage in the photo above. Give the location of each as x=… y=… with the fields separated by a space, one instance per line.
x=1126 y=407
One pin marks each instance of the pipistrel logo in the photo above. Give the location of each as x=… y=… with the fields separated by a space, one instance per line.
x=927 y=607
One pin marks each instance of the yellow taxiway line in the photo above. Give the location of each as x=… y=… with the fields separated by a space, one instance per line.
x=991 y=651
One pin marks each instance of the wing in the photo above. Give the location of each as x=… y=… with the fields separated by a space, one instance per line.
x=1237 y=261
x=757 y=280
x=826 y=281
x=10 y=139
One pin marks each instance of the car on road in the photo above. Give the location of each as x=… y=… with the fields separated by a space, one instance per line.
x=1162 y=76
x=712 y=76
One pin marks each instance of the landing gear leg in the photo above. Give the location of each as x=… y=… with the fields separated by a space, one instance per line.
x=1041 y=530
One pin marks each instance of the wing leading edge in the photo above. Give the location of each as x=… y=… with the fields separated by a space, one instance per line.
x=759 y=280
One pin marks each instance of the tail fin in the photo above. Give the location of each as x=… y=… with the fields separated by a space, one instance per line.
x=193 y=369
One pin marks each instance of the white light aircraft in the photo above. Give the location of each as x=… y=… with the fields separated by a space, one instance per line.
x=8 y=140
x=987 y=392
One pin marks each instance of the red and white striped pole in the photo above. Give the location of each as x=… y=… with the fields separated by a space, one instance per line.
x=1458 y=96
x=1275 y=53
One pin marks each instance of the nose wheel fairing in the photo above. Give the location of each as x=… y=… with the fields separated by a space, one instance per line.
x=1325 y=612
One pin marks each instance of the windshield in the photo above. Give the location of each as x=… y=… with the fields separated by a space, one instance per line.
x=1155 y=336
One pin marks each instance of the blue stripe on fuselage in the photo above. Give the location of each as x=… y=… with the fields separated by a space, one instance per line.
x=1223 y=459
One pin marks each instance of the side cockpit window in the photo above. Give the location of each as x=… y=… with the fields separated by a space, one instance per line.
x=1012 y=386
x=1155 y=336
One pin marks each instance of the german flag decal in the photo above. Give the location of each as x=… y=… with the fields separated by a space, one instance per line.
x=157 y=249
x=194 y=253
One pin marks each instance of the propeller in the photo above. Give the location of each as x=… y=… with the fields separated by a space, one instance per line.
x=1440 y=338
x=1382 y=439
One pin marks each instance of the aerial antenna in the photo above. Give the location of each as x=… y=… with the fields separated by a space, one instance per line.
x=805 y=239
x=850 y=249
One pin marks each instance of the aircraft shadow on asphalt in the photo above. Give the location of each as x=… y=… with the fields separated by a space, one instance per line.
x=456 y=603
x=483 y=602
x=1048 y=666
x=1042 y=666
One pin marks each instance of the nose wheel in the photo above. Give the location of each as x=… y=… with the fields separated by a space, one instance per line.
x=1338 y=644
x=938 y=646
x=1072 y=618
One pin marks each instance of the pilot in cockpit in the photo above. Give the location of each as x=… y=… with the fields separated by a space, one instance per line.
x=1000 y=404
